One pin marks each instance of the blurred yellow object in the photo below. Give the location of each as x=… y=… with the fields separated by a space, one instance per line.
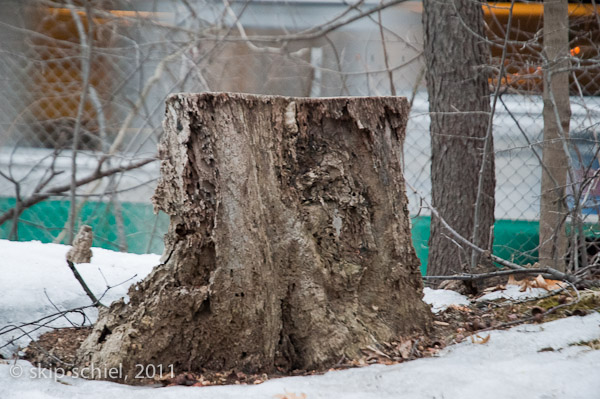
x=523 y=58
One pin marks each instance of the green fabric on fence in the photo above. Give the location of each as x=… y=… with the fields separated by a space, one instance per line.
x=143 y=231
x=514 y=240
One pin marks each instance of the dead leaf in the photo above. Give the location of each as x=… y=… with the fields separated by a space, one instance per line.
x=540 y=282
x=290 y=395
x=376 y=351
x=498 y=287
x=405 y=348
x=460 y=308
x=537 y=282
x=481 y=340
x=524 y=284
x=555 y=285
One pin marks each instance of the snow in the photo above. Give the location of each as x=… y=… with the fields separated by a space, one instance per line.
x=32 y=270
x=510 y=365
x=441 y=299
x=513 y=292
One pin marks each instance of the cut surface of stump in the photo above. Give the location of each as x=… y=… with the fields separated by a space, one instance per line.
x=289 y=244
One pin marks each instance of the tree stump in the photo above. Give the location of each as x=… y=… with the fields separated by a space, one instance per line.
x=289 y=244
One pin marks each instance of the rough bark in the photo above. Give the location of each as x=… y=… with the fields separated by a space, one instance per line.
x=553 y=241
x=289 y=244
x=459 y=104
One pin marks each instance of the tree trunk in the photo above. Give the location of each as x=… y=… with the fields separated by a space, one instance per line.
x=459 y=104
x=289 y=244
x=553 y=212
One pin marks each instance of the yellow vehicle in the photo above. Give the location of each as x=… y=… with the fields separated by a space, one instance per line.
x=524 y=60
x=57 y=78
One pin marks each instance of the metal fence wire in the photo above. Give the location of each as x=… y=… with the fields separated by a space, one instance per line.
x=99 y=75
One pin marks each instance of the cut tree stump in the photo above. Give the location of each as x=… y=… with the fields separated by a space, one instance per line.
x=289 y=244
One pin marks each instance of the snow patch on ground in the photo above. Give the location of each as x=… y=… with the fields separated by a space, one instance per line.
x=441 y=299
x=32 y=270
x=510 y=365
x=513 y=292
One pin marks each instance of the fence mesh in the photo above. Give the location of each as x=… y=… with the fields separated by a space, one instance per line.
x=101 y=74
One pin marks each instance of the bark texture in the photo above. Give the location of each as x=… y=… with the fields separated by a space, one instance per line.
x=459 y=103
x=289 y=244
x=557 y=115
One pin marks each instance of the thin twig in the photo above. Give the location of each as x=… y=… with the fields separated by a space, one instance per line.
x=482 y=276
x=86 y=60
x=56 y=307
x=36 y=198
x=87 y=290
x=44 y=322
x=385 y=55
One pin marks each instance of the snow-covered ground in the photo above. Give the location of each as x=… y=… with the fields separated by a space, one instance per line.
x=510 y=365
x=441 y=299
x=32 y=274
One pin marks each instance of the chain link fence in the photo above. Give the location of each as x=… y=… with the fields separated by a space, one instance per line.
x=85 y=86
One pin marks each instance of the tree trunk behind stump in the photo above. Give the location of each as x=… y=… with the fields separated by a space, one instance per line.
x=289 y=244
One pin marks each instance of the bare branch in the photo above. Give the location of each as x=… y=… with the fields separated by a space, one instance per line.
x=36 y=198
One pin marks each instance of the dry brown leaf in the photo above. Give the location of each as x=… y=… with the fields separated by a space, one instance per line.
x=481 y=340
x=552 y=285
x=547 y=284
x=376 y=351
x=539 y=282
x=460 y=308
x=498 y=287
x=512 y=280
x=524 y=285
x=405 y=348
x=290 y=395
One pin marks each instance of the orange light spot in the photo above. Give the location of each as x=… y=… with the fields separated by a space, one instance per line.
x=575 y=51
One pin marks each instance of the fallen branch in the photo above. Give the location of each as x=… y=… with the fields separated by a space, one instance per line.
x=473 y=277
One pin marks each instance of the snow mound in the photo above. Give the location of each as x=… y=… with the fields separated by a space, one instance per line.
x=513 y=292
x=34 y=273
